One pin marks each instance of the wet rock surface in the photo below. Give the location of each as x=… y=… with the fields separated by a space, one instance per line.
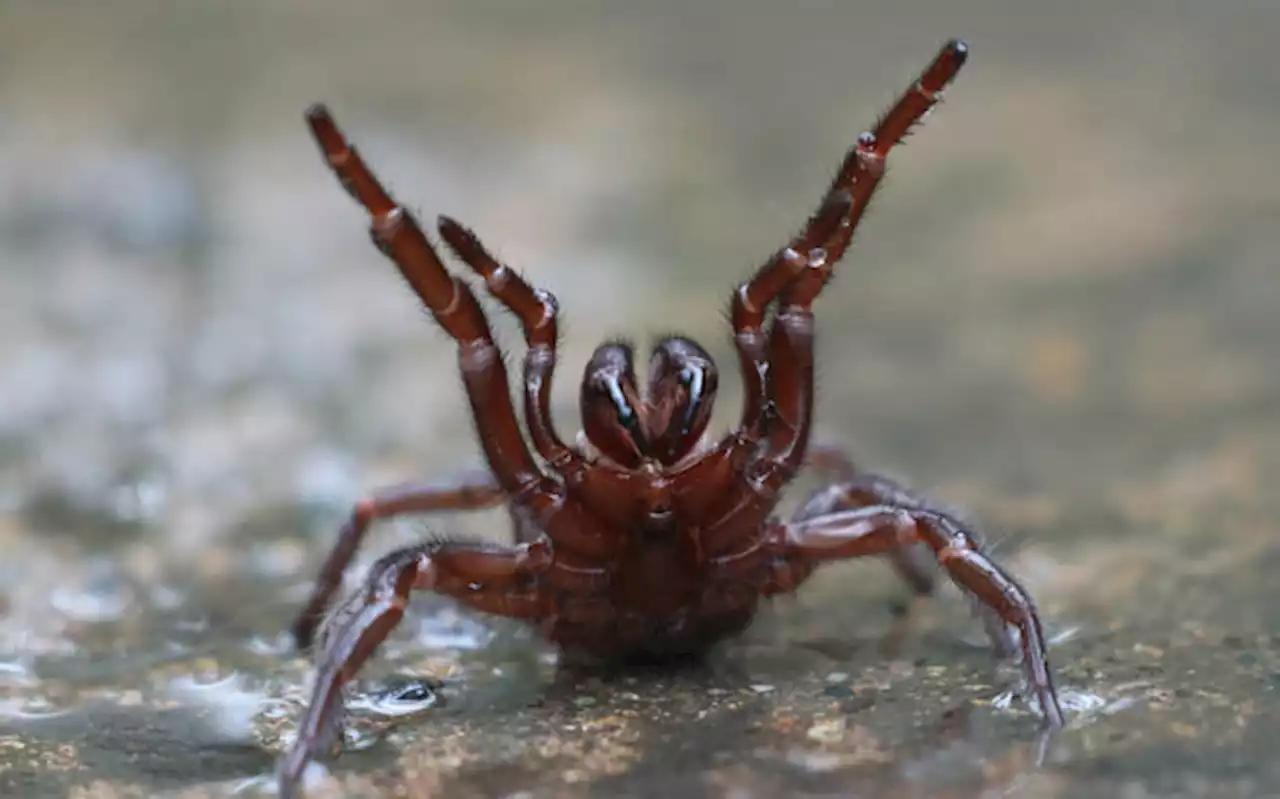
x=1060 y=315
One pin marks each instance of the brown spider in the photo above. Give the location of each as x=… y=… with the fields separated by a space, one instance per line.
x=648 y=539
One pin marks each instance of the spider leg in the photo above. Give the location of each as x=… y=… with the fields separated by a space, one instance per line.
x=852 y=187
x=790 y=345
x=859 y=175
x=448 y=299
x=498 y=580
x=864 y=164
x=790 y=387
x=454 y=307
x=799 y=547
x=466 y=491
x=537 y=311
x=866 y=489
x=752 y=299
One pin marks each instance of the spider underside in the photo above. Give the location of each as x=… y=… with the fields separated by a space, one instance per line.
x=648 y=538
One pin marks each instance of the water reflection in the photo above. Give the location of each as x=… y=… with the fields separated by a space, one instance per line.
x=102 y=596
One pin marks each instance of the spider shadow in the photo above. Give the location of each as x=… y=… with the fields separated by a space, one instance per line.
x=576 y=672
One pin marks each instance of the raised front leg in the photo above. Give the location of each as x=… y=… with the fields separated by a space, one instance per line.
x=752 y=299
x=852 y=188
x=864 y=164
x=799 y=547
x=789 y=371
x=450 y=302
x=493 y=579
x=791 y=337
x=456 y=310
x=466 y=491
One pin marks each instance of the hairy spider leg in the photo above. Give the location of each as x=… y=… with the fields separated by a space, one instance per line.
x=790 y=346
x=580 y=542
x=538 y=312
x=865 y=161
x=795 y=549
x=471 y=490
x=490 y=578
x=855 y=490
x=450 y=302
x=752 y=299
x=866 y=489
x=798 y=547
x=788 y=379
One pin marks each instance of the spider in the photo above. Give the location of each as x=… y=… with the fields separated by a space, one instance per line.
x=646 y=538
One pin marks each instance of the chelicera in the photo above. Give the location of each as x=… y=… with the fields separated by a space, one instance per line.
x=647 y=538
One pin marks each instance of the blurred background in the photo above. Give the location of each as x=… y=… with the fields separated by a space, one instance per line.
x=1060 y=313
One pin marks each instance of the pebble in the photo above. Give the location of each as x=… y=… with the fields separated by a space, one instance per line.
x=827 y=731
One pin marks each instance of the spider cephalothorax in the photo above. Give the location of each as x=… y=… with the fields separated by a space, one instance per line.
x=645 y=537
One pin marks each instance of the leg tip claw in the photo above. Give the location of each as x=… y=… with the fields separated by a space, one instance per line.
x=317 y=113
